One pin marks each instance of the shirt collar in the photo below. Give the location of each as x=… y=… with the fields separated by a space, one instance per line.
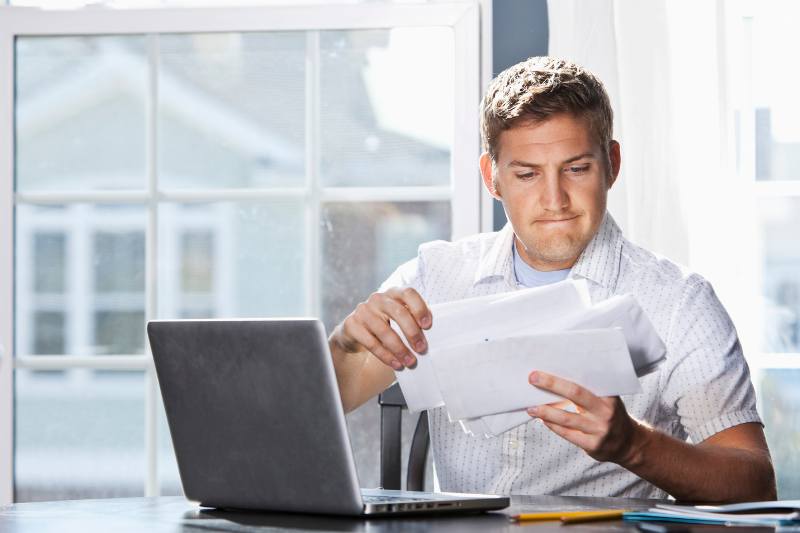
x=496 y=257
x=599 y=261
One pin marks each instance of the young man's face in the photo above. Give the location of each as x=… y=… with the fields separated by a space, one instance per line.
x=553 y=178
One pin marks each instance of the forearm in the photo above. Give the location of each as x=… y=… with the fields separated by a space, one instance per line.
x=701 y=473
x=348 y=368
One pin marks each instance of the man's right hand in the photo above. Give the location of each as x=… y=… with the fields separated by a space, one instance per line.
x=367 y=327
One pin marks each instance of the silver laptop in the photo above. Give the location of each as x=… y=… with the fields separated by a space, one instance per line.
x=257 y=423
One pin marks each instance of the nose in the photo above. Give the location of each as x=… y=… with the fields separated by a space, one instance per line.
x=554 y=197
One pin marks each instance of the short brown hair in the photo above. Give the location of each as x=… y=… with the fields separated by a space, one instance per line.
x=539 y=88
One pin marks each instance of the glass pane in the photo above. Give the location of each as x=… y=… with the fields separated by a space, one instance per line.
x=779 y=393
x=197 y=261
x=231 y=259
x=232 y=110
x=381 y=236
x=780 y=218
x=119 y=261
x=79 y=434
x=80 y=113
x=49 y=250
x=386 y=107
x=80 y=279
x=774 y=90
x=48 y=337
x=118 y=332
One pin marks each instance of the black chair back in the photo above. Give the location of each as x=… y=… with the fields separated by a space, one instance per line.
x=392 y=404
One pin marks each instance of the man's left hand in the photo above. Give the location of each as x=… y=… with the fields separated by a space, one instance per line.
x=601 y=426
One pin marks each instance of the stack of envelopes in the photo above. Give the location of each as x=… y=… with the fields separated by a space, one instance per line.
x=482 y=350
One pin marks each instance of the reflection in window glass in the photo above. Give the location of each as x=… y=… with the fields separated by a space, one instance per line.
x=231 y=110
x=197 y=265
x=774 y=90
x=97 y=255
x=386 y=107
x=362 y=244
x=779 y=393
x=250 y=255
x=78 y=435
x=48 y=327
x=118 y=332
x=80 y=113
x=119 y=261
x=780 y=218
x=49 y=251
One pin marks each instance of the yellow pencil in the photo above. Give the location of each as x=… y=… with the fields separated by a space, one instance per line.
x=592 y=516
x=570 y=516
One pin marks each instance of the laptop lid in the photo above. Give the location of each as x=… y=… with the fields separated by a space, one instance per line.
x=255 y=414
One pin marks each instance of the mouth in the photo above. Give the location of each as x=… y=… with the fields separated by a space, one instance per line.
x=555 y=221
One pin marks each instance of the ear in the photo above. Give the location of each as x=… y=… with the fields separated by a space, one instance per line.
x=615 y=160
x=485 y=162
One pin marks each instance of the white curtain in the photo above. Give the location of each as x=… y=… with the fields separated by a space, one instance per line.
x=666 y=65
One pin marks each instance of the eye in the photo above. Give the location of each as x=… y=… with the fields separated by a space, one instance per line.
x=526 y=176
x=578 y=169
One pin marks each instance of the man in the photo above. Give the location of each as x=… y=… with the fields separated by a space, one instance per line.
x=694 y=432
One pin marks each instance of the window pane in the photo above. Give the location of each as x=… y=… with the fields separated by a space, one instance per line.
x=49 y=250
x=239 y=259
x=231 y=110
x=119 y=261
x=780 y=407
x=774 y=90
x=92 y=273
x=80 y=113
x=363 y=243
x=79 y=434
x=780 y=218
x=118 y=332
x=48 y=336
x=386 y=107
x=197 y=261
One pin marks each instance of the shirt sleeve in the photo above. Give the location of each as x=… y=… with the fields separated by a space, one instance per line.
x=707 y=381
x=409 y=274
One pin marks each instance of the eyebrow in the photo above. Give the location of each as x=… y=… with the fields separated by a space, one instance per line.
x=519 y=163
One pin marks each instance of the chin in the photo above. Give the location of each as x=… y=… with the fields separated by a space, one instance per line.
x=559 y=251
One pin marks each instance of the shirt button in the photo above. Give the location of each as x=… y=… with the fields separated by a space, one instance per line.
x=513 y=443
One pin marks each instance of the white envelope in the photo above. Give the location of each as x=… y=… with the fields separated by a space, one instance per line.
x=645 y=346
x=623 y=311
x=480 y=379
x=485 y=318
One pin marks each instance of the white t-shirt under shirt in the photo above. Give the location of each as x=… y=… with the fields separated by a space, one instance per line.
x=702 y=388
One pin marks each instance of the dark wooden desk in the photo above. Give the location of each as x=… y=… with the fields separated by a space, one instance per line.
x=175 y=514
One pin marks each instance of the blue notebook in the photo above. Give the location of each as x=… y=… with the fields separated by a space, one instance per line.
x=770 y=513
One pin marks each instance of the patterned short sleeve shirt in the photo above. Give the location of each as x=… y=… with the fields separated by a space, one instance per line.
x=702 y=388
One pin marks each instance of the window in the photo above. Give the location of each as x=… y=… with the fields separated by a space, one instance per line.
x=271 y=162
x=768 y=157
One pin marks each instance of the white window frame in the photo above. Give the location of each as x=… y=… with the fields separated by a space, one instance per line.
x=470 y=208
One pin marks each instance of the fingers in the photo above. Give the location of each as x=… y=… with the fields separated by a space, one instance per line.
x=415 y=304
x=368 y=327
x=578 y=395
x=398 y=312
x=563 y=418
x=574 y=436
x=362 y=336
x=388 y=338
